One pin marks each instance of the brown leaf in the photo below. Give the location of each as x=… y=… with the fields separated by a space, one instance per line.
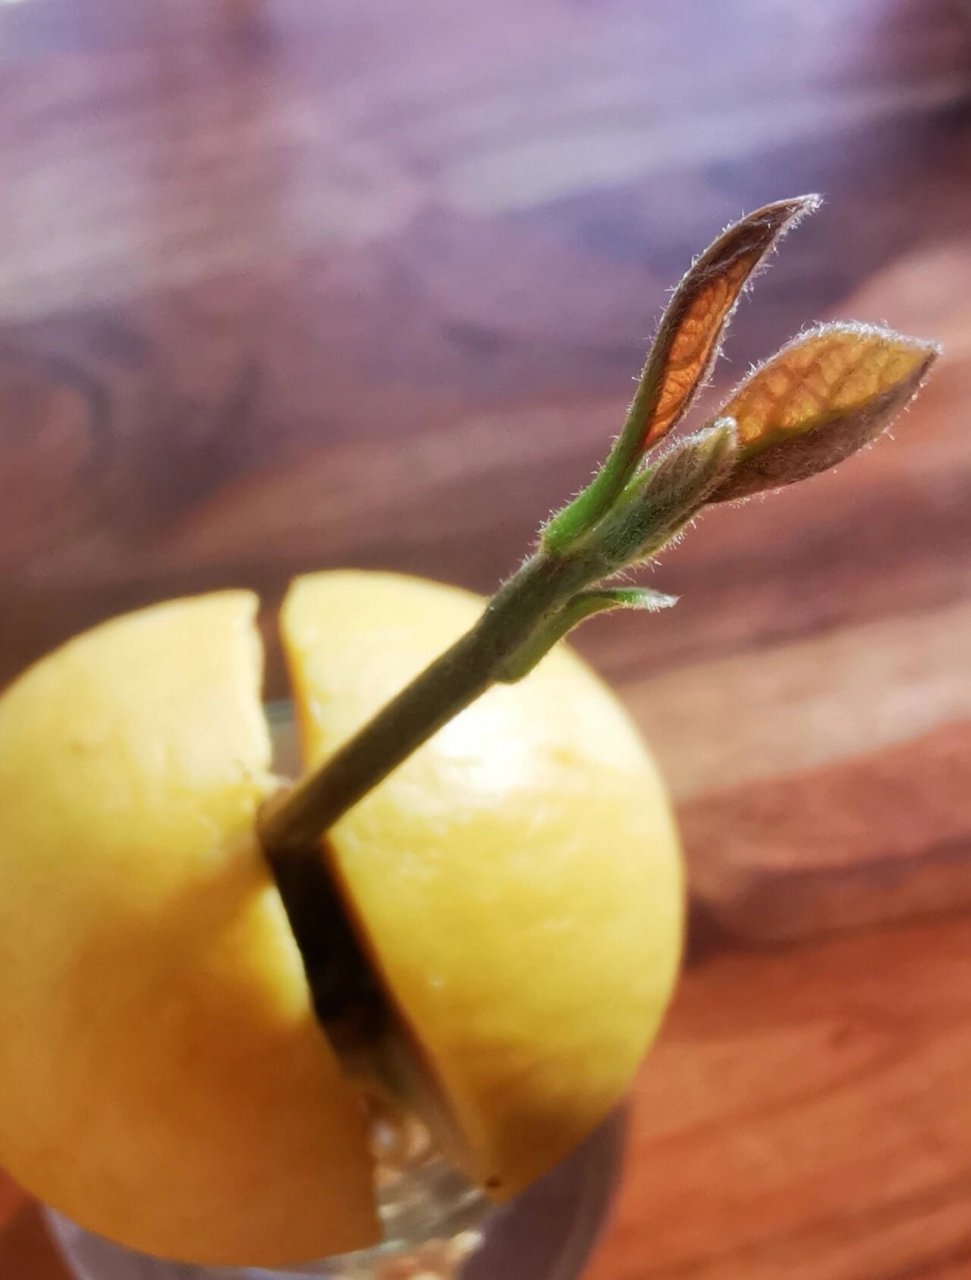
x=680 y=358
x=690 y=333
x=826 y=394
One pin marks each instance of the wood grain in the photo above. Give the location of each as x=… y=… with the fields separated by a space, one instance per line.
x=806 y=1115
x=287 y=285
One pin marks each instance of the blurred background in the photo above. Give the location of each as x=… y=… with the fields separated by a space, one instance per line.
x=287 y=284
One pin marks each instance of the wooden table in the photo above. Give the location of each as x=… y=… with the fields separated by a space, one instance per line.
x=297 y=284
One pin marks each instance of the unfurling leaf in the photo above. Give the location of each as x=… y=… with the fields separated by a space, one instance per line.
x=585 y=605
x=659 y=503
x=826 y=394
x=681 y=356
x=691 y=329
x=643 y=598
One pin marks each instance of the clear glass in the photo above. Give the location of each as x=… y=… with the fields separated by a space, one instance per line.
x=436 y=1225
x=436 y=1228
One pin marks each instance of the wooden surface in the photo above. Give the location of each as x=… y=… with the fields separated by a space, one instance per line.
x=807 y=1115
x=297 y=284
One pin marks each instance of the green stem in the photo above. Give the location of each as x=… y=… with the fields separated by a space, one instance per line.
x=525 y=618
x=519 y=610
x=580 y=515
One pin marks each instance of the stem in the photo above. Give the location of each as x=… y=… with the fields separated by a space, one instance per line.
x=456 y=678
x=581 y=514
x=526 y=617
